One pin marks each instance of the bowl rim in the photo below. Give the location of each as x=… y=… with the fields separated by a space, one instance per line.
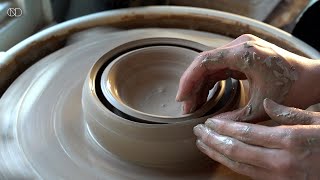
x=117 y=101
x=18 y=58
x=108 y=58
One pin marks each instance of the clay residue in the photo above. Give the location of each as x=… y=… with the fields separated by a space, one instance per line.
x=217 y=57
x=277 y=74
x=249 y=109
x=248 y=44
x=247 y=59
x=283 y=74
x=273 y=71
x=267 y=61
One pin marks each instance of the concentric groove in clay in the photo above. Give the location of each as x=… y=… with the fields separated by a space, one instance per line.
x=136 y=45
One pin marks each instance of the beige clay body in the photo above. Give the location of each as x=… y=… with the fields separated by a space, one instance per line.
x=41 y=113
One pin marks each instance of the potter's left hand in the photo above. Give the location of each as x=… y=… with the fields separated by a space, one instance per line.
x=288 y=151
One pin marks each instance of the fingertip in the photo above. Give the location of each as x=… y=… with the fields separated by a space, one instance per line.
x=183 y=94
x=183 y=111
x=279 y=113
x=267 y=103
x=201 y=145
x=270 y=106
x=188 y=107
x=185 y=108
x=178 y=98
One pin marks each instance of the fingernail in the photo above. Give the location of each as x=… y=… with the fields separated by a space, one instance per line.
x=198 y=130
x=268 y=102
x=183 y=111
x=271 y=105
x=194 y=107
x=210 y=123
x=180 y=98
x=201 y=145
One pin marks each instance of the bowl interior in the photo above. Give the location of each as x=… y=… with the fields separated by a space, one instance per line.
x=147 y=79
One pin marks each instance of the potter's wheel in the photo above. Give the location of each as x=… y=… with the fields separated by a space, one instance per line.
x=43 y=135
x=43 y=132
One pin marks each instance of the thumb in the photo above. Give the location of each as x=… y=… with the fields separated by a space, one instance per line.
x=288 y=115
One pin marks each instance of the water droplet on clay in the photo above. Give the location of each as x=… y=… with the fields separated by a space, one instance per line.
x=163 y=105
x=249 y=109
x=161 y=90
x=277 y=74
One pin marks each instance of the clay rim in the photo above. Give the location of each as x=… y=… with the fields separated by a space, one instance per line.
x=123 y=107
x=18 y=58
x=98 y=68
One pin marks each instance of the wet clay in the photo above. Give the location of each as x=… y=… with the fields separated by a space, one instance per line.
x=147 y=79
x=264 y=74
x=274 y=72
x=50 y=127
x=215 y=58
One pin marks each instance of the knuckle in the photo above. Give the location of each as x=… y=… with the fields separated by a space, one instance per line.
x=247 y=37
x=290 y=140
x=217 y=127
x=245 y=133
x=203 y=55
x=249 y=53
x=230 y=148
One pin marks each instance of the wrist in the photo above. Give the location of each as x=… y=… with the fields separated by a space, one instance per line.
x=306 y=90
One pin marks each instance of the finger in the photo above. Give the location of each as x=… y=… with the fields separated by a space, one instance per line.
x=235 y=149
x=195 y=102
x=241 y=39
x=193 y=79
x=241 y=168
x=254 y=134
x=289 y=115
x=218 y=64
x=252 y=112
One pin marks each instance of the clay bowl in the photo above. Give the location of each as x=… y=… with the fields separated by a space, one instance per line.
x=165 y=145
x=143 y=83
x=41 y=119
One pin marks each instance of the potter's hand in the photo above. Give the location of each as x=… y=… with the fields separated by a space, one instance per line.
x=288 y=151
x=272 y=73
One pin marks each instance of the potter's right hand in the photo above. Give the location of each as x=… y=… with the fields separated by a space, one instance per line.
x=272 y=73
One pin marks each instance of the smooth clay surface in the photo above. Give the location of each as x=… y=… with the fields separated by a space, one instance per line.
x=41 y=118
x=147 y=79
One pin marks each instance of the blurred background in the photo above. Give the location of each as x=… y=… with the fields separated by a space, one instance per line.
x=16 y=25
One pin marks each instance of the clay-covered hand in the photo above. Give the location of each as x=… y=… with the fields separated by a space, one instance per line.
x=272 y=73
x=288 y=151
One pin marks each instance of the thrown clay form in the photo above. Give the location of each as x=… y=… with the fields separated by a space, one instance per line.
x=143 y=82
x=45 y=123
x=43 y=132
x=134 y=139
